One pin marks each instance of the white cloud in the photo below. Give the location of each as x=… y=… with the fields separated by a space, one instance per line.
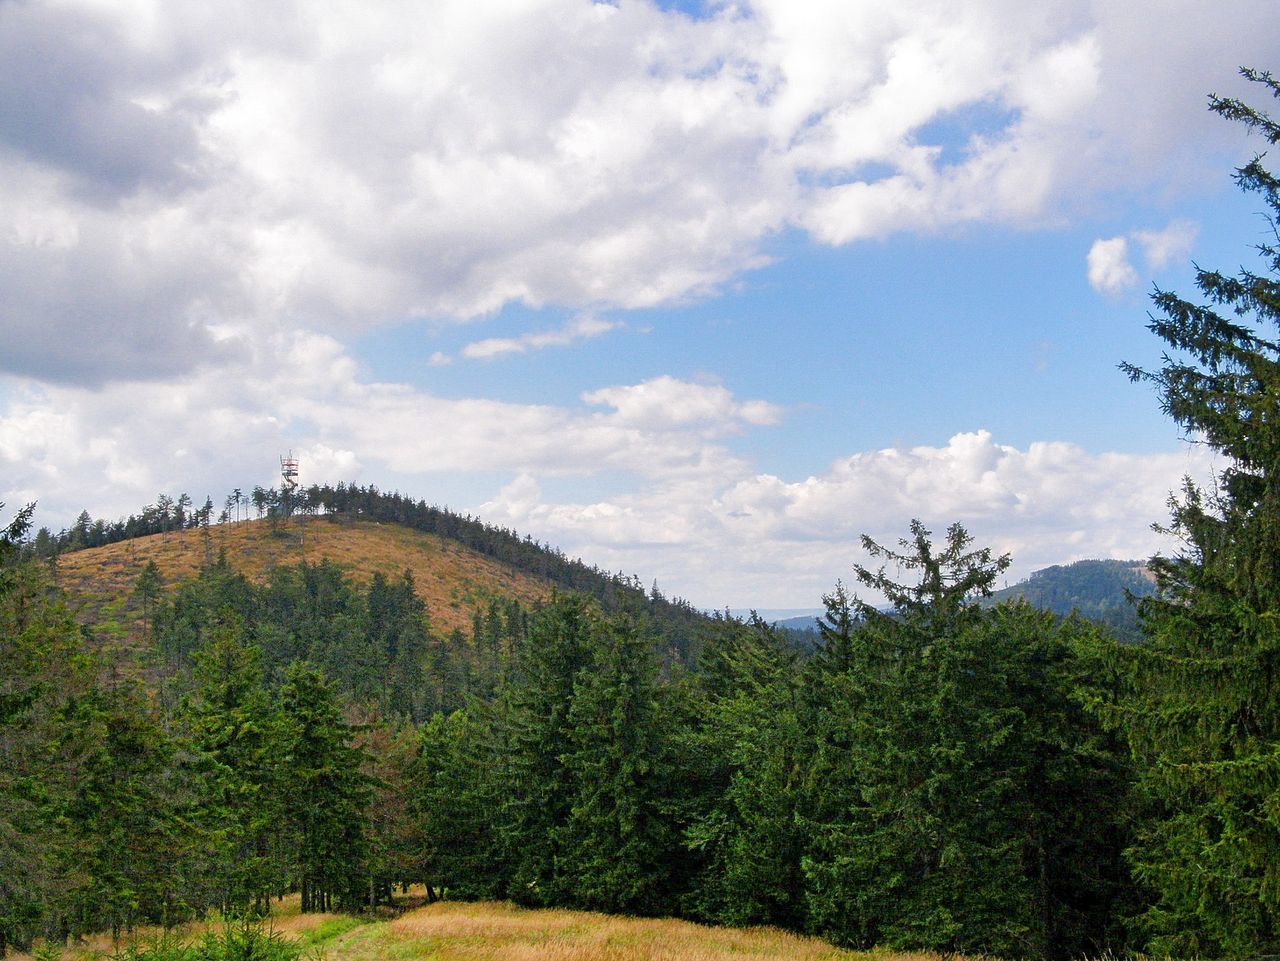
x=789 y=540
x=1163 y=247
x=302 y=391
x=1110 y=270
x=675 y=503
x=164 y=170
x=665 y=403
x=1108 y=265
x=577 y=329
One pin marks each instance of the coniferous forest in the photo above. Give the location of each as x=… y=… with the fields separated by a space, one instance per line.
x=936 y=773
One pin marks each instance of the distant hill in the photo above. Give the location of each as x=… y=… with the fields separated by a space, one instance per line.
x=806 y=622
x=459 y=563
x=1096 y=589
x=452 y=579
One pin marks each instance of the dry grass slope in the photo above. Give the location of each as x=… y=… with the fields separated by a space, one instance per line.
x=452 y=579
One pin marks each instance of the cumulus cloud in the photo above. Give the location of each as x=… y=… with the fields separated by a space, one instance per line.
x=679 y=504
x=577 y=329
x=303 y=391
x=1163 y=247
x=164 y=169
x=1108 y=266
x=1049 y=503
x=665 y=403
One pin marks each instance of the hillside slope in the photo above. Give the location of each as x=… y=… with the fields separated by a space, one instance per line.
x=452 y=579
x=1097 y=589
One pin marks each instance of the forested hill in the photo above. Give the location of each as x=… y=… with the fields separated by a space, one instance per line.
x=1097 y=589
x=502 y=562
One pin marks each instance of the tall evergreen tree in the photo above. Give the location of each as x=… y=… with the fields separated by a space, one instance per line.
x=44 y=673
x=535 y=734
x=324 y=793
x=235 y=730
x=962 y=800
x=1203 y=718
x=618 y=842
x=748 y=834
x=128 y=834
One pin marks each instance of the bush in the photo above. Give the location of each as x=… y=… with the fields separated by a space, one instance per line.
x=237 y=941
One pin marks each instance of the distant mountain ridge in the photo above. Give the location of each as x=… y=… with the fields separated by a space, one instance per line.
x=1097 y=589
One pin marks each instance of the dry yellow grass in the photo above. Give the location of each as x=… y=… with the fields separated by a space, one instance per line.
x=452 y=931
x=500 y=932
x=286 y=919
x=453 y=580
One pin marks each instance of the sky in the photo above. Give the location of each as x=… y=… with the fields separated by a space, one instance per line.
x=699 y=292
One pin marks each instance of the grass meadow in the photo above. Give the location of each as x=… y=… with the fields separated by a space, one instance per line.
x=486 y=931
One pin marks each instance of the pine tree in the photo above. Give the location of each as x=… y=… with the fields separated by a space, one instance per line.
x=748 y=834
x=235 y=731
x=324 y=792
x=531 y=737
x=617 y=843
x=1203 y=717
x=961 y=798
x=44 y=672
x=127 y=833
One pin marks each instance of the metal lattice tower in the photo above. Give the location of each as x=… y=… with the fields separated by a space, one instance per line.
x=288 y=473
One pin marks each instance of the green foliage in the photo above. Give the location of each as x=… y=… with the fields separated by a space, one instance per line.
x=235 y=732
x=1100 y=590
x=964 y=772
x=746 y=831
x=243 y=940
x=1203 y=713
x=617 y=839
x=324 y=794
x=458 y=787
x=535 y=735
x=44 y=672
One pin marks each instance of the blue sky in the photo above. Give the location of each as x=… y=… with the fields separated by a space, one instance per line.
x=701 y=298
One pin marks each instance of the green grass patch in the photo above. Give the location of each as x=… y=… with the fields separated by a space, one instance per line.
x=329 y=929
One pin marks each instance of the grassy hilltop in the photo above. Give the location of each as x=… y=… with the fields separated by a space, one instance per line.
x=451 y=578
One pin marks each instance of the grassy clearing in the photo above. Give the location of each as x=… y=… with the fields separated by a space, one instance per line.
x=500 y=932
x=313 y=931
x=453 y=580
x=451 y=931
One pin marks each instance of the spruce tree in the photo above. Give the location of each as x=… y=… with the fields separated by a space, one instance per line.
x=617 y=843
x=1203 y=716
x=324 y=794
x=531 y=735
x=960 y=798
x=748 y=834
x=234 y=730
x=44 y=673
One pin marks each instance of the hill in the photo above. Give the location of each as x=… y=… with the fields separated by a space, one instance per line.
x=1095 y=588
x=517 y=568
x=451 y=578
